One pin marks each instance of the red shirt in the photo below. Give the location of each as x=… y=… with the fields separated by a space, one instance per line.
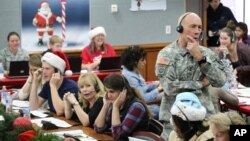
x=87 y=56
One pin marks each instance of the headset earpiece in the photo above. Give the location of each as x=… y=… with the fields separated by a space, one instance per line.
x=201 y=36
x=233 y=37
x=180 y=28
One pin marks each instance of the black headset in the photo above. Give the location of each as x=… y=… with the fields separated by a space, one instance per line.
x=233 y=37
x=180 y=28
x=191 y=127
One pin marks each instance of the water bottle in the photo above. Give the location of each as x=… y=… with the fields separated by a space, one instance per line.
x=3 y=95
x=8 y=104
x=26 y=113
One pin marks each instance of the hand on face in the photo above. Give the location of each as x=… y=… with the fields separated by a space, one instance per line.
x=106 y=100
x=37 y=75
x=193 y=48
x=55 y=79
x=120 y=100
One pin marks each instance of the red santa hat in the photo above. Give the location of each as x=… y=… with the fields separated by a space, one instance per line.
x=97 y=30
x=58 y=60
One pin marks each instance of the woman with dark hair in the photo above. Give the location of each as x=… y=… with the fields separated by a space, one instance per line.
x=134 y=60
x=123 y=109
x=13 y=52
x=242 y=33
x=188 y=119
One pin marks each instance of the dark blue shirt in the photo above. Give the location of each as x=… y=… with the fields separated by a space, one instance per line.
x=66 y=86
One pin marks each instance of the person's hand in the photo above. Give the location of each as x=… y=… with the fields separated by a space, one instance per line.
x=97 y=60
x=55 y=79
x=37 y=75
x=232 y=48
x=70 y=97
x=120 y=100
x=205 y=82
x=193 y=48
x=106 y=100
x=210 y=33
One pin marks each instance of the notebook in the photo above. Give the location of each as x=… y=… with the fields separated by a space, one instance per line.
x=75 y=64
x=110 y=64
x=18 y=69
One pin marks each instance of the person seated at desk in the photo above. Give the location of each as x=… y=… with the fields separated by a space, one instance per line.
x=56 y=85
x=98 y=48
x=241 y=32
x=90 y=94
x=238 y=54
x=123 y=109
x=13 y=52
x=134 y=60
x=54 y=44
x=35 y=64
x=188 y=119
x=220 y=124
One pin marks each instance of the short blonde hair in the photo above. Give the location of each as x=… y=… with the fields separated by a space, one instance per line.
x=222 y=121
x=55 y=39
x=94 y=80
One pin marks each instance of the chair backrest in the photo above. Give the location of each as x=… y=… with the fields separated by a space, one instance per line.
x=148 y=136
x=155 y=126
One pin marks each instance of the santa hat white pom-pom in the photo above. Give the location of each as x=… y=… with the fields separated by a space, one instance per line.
x=68 y=72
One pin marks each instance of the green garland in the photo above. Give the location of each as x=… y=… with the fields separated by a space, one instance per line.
x=8 y=133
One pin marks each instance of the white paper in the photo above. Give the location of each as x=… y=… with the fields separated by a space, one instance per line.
x=39 y=113
x=77 y=133
x=241 y=92
x=244 y=101
x=135 y=139
x=57 y=122
x=19 y=103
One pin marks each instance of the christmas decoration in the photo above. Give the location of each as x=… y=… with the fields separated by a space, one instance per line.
x=14 y=128
x=44 y=21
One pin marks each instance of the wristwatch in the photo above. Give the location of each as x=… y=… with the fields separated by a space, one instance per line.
x=202 y=61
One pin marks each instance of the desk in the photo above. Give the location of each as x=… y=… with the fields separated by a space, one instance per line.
x=19 y=82
x=87 y=130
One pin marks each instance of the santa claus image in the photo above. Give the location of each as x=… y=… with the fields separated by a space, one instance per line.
x=44 y=21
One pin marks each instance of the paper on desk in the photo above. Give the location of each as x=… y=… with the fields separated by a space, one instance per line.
x=19 y=103
x=39 y=113
x=244 y=101
x=135 y=139
x=57 y=122
x=241 y=92
x=77 y=133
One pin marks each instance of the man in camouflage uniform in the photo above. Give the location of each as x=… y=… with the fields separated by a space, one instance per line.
x=185 y=66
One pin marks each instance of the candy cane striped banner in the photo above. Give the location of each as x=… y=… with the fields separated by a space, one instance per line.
x=63 y=3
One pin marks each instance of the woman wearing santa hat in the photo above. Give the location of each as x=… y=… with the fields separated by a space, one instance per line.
x=98 y=48
x=53 y=68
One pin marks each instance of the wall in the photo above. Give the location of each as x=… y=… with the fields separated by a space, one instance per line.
x=123 y=28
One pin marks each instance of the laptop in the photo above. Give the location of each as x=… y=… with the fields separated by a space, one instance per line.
x=75 y=64
x=110 y=64
x=18 y=69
